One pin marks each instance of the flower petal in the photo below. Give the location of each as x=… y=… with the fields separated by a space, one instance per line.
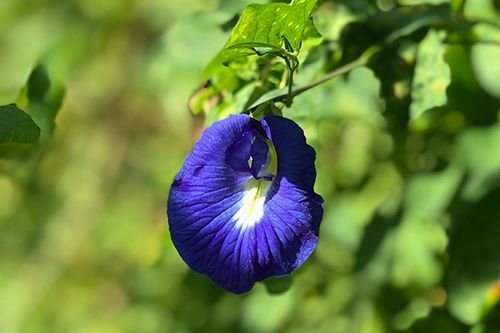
x=230 y=224
x=295 y=156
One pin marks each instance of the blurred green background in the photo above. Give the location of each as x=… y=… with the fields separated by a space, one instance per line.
x=410 y=241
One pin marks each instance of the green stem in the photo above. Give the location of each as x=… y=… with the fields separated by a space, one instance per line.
x=360 y=62
x=288 y=97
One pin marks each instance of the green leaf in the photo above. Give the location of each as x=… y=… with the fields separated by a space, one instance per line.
x=464 y=92
x=411 y=19
x=38 y=84
x=233 y=104
x=477 y=151
x=439 y=320
x=278 y=285
x=16 y=126
x=274 y=28
x=474 y=258
x=44 y=99
x=267 y=97
x=481 y=10
x=421 y=235
x=429 y=194
x=265 y=110
x=331 y=19
x=269 y=23
x=484 y=55
x=256 y=318
x=202 y=100
x=417 y=244
x=421 y=2
x=387 y=27
x=432 y=75
x=457 y=6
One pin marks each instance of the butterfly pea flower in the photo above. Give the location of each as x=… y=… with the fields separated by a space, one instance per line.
x=243 y=207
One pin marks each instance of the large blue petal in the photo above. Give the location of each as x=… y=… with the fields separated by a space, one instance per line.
x=295 y=156
x=231 y=225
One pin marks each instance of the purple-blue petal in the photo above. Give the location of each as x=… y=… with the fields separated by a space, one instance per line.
x=210 y=225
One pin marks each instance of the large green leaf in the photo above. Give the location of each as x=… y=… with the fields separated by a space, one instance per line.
x=429 y=194
x=16 y=126
x=481 y=10
x=477 y=150
x=421 y=236
x=484 y=54
x=484 y=57
x=464 y=92
x=417 y=244
x=474 y=257
x=275 y=28
x=487 y=70
x=44 y=100
x=432 y=75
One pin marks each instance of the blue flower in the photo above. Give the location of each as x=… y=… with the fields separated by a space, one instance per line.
x=243 y=208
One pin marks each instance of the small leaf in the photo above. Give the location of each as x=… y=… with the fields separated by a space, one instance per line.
x=422 y=2
x=266 y=98
x=266 y=109
x=38 y=84
x=203 y=100
x=44 y=100
x=432 y=75
x=16 y=126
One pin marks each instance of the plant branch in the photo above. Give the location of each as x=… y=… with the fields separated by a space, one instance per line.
x=288 y=97
x=333 y=74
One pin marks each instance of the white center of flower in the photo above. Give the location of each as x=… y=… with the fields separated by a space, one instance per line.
x=252 y=203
